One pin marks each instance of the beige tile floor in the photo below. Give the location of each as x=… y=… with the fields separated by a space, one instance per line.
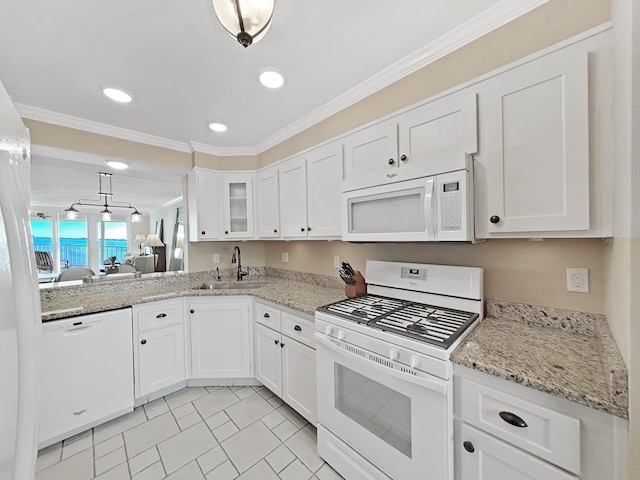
x=213 y=433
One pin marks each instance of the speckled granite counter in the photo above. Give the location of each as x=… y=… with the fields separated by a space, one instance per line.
x=567 y=354
x=302 y=292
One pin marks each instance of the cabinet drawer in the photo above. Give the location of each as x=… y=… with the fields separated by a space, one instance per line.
x=268 y=316
x=546 y=433
x=298 y=328
x=158 y=315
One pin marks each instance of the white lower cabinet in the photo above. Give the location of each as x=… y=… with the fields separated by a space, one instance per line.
x=268 y=358
x=159 y=351
x=285 y=360
x=299 y=378
x=505 y=431
x=220 y=338
x=488 y=458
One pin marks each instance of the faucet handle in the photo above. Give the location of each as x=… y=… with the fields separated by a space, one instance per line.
x=243 y=274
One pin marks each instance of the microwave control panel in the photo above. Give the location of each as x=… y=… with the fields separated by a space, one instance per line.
x=451 y=205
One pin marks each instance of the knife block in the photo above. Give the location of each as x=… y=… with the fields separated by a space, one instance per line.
x=357 y=290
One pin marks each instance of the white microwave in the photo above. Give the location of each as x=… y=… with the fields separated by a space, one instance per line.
x=437 y=208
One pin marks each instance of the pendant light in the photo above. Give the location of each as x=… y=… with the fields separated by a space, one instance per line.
x=104 y=191
x=246 y=20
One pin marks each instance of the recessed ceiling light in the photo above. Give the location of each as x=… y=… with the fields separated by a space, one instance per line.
x=117 y=94
x=271 y=77
x=218 y=127
x=117 y=164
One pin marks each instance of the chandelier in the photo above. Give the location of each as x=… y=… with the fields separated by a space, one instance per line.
x=104 y=190
x=246 y=20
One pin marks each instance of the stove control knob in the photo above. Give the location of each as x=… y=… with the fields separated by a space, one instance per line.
x=414 y=361
x=393 y=353
x=341 y=334
x=328 y=330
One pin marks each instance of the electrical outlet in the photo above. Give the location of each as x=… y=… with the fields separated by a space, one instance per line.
x=216 y=258
x=336 y=261
x=578 y=280
x=285 y=257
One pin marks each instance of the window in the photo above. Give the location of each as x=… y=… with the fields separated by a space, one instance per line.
x=84 y=242
x=112 y=240
x=73 y=242
x=42 y=234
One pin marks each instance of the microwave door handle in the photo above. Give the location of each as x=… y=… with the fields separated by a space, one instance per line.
x=430 y=210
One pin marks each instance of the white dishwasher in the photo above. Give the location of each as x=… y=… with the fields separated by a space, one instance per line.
x=87 y=373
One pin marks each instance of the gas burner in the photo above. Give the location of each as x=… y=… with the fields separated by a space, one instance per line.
x=417 y=327
x=364 y=309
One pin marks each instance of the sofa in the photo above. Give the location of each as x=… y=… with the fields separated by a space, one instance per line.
x=142 y=263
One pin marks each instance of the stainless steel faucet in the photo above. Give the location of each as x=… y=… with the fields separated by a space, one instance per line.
x=241 y=274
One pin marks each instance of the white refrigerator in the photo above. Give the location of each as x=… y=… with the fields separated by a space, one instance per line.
x=20 y=318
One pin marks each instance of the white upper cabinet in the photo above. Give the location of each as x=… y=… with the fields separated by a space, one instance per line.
x=324 y=171
x=430 y=135
x=237 y=198
x=220 y=205
x=370 y=152
x=310 y=193
x=533 y=166
x=293 y=198
x=268 y=203
x=203 y=206
x=414 y=144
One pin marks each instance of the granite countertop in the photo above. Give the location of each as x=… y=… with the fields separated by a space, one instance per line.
x=567 y=354
x=301 y=292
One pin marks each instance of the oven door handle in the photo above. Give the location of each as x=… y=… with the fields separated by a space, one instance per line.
x=434 y=384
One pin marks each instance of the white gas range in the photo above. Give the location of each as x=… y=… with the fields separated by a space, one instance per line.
x=384 y=374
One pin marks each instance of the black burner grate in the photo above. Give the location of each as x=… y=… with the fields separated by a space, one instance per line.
x=426 y=323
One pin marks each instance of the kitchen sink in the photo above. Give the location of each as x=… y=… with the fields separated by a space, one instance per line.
x=230 y=286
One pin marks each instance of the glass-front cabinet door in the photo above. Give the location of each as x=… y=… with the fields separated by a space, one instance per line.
x=238 y=205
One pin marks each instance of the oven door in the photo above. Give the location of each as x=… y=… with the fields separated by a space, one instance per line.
x=398 y=421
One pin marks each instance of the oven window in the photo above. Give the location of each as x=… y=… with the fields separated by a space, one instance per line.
x=381 y=410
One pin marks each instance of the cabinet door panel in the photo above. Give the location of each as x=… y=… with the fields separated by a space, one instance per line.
x=268 y=358
x=535 y=146
x=220 y=340
x=293 y=198
x=161 y=361
x=299 y=378
x=268 y=204
x=493 y=459
x=237 y=192
x=204 y=206
x=324 y=167
x=433 y=133
x=369 y=154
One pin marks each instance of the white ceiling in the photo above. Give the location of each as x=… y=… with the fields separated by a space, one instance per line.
x=185 y=70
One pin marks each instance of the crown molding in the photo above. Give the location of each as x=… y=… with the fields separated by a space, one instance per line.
x=474 y=28
x=222 y=151
x=42 y=115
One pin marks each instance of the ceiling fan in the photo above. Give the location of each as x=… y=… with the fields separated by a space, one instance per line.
x=40 y=215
